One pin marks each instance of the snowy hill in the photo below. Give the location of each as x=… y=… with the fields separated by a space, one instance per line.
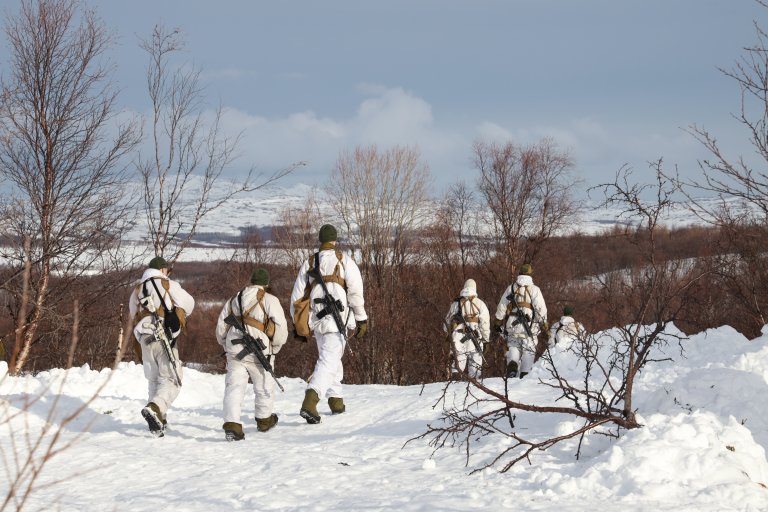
x=260 y=209
x=702 y=447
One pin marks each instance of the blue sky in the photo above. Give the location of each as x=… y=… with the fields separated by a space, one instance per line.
x=612 y=81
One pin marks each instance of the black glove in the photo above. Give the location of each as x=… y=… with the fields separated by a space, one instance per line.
x=296 y=335
x=362 y=328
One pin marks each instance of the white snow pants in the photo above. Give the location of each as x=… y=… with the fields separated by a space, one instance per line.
x=522 y=351
x=465 y=353
x=236 y=383
x=326 y=379
x=162 y=385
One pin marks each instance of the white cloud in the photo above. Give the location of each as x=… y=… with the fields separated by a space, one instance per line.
x=388 y=116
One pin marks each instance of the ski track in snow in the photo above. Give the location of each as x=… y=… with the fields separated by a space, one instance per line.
x=702 y=446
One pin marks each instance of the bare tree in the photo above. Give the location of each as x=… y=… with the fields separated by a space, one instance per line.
x=737 y=177
x=188 y=154
x=61 y=146
x=380 y=197
x=296 y=232
x=600 y=393
x=741 y=184
x=528 y=191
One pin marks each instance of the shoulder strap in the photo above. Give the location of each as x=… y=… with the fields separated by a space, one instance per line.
x=161 y=296
x=245 y=316
x=474 y=312
x=332 y=278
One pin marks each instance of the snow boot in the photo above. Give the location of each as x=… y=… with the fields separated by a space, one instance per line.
x=153 y=417
x=336 y=404
x=309 y=407
x=512 y=369
x=523 y=374
x=264 y=424
x=233 y=431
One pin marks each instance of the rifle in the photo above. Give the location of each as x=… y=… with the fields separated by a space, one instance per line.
x=251 y=345
x=332 y=305
x=523 y=319
x=162 y=335
x=469 y=332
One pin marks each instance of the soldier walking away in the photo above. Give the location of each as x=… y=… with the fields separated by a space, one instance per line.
x=520 y=316
x=329 y=288
x=468 y=323
x=159 y=307
x=565 y=332
x=261 y=315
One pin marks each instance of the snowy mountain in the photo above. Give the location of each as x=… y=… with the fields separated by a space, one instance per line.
x=702 y=447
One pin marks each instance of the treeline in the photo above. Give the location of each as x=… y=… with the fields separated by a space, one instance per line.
x=406 y=343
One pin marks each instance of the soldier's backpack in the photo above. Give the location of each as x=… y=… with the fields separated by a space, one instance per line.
x=303 y=306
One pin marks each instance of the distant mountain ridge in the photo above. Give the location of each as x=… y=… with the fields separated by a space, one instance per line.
x=259 y=210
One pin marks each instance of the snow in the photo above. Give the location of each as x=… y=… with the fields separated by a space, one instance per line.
x=702 y=445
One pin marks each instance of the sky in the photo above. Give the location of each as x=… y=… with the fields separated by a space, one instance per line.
x=701 y=447
x=612 y=82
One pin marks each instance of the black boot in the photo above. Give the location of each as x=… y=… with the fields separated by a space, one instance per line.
x=153 y=417
x=512 y=369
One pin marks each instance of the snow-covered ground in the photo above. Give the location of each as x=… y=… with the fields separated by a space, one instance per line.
x=702 y=447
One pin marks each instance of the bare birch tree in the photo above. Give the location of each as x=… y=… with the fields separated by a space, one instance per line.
x=528 y=192
x=189 y=150
x=61 y=148
x=380 y=197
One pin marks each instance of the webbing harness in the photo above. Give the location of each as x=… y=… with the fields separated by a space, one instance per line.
x=517 y=302
x=245 y=315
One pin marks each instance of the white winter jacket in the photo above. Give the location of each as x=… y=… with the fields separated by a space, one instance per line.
x=352 y=300
x=225 y=333
x=472 y=306
x=174 y=296
x=565 y=332
x=524 y=288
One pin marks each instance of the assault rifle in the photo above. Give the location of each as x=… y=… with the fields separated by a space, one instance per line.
x=162 y=335
x=522 y=318
x=251 y=345
x=469 y=333
x=332 y=305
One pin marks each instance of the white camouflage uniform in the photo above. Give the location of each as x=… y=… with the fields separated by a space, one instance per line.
x=163 y=388
x=238 y=371
x=564 y=333
x=521 y=348
x=478 y=318
x=329 y=371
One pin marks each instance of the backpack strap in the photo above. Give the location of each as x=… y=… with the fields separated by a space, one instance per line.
x=336 y=277
x=474 y=312
x=520 y=301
